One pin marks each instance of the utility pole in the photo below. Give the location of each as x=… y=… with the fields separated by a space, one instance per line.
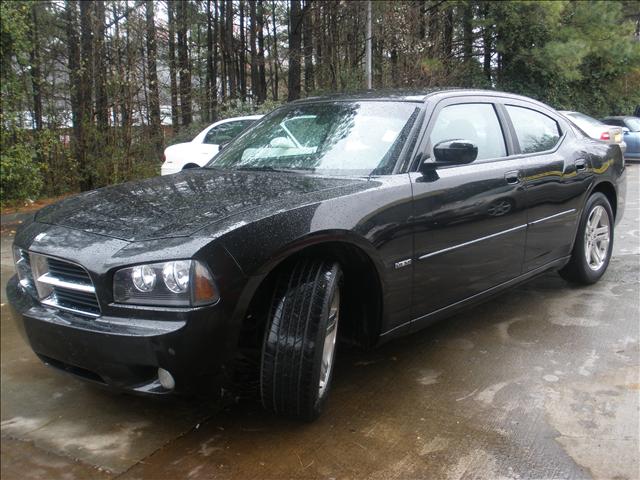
x=368 y=45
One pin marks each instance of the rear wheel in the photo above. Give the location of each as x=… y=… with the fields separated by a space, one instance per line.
x=300 y=340
x=594 y=242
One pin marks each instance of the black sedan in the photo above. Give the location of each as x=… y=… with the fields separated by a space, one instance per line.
x=359 y=218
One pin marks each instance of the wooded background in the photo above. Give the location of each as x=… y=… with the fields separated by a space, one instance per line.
x=93 y=91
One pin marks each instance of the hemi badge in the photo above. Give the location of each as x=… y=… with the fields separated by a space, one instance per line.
x=403 y=263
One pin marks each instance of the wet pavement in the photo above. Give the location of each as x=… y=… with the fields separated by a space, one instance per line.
x=541 y=382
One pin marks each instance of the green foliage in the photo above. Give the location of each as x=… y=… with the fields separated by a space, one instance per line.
x=20 y=176
x=574 y=55
x=14 y=57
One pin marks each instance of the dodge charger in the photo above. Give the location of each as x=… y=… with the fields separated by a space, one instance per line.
x=331 y=221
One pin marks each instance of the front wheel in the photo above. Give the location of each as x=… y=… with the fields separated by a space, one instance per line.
x=594 y=242
x=300 y=339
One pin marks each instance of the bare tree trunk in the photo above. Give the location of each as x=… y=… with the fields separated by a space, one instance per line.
x=154 y=95
x=85 y=96
x=172 y=66
x=184 y=65
x=211 y=80
x=222 y=26
x=255 y=81
x=295 y=37
x=333 y=44
x=276 y=82
x=102 y=100
x=394 y=67
x=126 y=97
x=307 y=37
x=242 y=60
x=433 y=25
x=36 y=74
x=318 y=33
x=229 y=51
x=73 y=46
x=467 y=32
x=262 y=80
x=208 y=66
x=214 y=80
x=487 y=43
x=448 y=38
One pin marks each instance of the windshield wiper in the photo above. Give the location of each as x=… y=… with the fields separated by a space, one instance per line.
x=267 y=168
x=262 y=168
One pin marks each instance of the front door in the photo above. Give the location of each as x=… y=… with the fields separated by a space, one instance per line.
x=469 y=220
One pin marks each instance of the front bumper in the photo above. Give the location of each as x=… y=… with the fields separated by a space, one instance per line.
x=125 y=354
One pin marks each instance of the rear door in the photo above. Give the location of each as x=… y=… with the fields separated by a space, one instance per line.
x=470 y=220
x=556 y=172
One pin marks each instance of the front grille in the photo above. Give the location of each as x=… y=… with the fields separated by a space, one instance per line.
x=64 y=285
x=79 y=301
x=68 y=271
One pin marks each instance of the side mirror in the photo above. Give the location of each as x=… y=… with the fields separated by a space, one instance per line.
x=455 y=152
x=222 y=145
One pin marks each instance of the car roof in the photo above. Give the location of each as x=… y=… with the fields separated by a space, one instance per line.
x=415 y=95
x=236 y=119
x=619 y=117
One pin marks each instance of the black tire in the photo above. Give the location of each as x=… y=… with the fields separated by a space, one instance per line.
x=294 y=339
x=578 y=269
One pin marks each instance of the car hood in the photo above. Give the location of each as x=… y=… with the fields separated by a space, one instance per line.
x=181 y=204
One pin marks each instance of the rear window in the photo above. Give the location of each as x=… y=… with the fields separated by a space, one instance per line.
x=536 y=132
x=584 y=121
x=633 y=124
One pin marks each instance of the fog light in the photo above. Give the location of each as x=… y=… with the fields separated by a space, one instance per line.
x=166 y=379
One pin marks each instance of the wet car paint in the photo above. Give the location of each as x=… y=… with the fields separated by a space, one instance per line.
x=243 y=224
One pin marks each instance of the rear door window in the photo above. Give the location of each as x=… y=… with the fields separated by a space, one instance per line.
x=226 y=132
x=475 y=122
x=536 y=132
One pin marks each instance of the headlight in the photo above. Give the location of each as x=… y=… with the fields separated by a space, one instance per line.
x=179 y=283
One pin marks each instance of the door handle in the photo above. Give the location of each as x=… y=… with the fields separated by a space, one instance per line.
x=513 y=177
x=580 y=165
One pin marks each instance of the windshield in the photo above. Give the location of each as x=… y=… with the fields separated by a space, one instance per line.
x=334 y=138
x=633 y=124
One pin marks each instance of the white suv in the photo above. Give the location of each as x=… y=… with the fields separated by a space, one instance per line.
x=201 y=149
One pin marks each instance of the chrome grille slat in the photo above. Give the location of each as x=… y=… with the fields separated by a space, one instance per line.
x=64 y=285
x=54 y=281
x=68 y=271
x=76 y=297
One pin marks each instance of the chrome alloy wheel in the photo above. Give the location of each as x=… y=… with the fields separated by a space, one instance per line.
x=597 y=237
x=329 y=347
